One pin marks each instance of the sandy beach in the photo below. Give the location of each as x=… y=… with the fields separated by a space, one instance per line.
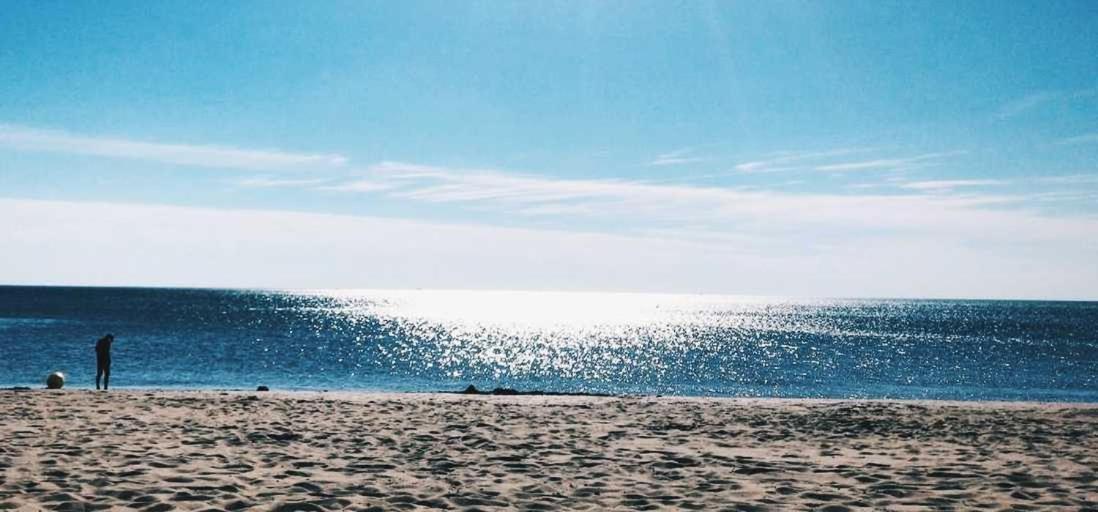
x=160 y=451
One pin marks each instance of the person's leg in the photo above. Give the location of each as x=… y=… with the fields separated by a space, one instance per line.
x=98 y=374
x=106 y=377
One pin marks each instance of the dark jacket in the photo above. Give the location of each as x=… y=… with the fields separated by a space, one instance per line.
x=103 y=350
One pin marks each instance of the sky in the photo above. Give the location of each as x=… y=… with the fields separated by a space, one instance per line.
x=819 y=149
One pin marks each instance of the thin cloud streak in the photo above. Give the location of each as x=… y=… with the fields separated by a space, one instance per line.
x=1070 y=179
x=721 y=209
x=268 y=182
x=1026 y=103
x=824 y=161
x=677 y=157
x=358 y=186
x=1039 y=99
x=787 y=161
x=22 y=138
x=1086 y=138
x=941 y=185
x=885 y=163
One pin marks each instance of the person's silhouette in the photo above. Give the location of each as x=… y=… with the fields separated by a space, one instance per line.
x=103 y=360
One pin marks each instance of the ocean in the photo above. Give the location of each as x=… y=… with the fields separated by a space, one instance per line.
x=619 y=343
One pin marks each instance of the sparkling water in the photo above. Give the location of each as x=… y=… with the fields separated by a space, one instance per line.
x=554 y=341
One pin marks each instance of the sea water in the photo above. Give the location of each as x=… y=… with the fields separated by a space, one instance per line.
x=554 y=341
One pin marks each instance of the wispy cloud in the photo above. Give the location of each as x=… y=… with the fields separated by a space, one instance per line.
x=1026 y=103
x=829 y=161
x=1038 y=99
x=945 y=185
x=358 y=185
x=863 y=165
x=268 y=182
x=677 y=157
x=1070 y=179
x=759 y=212
x=886 y=163
x=1086 y=138
x=55 y=141
x=790 y=160
x=441 y=184
x=1065 y=196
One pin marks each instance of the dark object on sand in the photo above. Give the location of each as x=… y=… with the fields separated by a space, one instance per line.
x=472 y=390
x=19 y=388
x=55 y=380
x=263 y=388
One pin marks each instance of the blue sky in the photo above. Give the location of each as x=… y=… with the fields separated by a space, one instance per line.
x=781 y=148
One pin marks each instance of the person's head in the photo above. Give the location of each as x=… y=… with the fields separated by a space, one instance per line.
x=109 y=337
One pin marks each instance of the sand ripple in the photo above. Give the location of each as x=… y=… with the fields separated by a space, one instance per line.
x=163 y=451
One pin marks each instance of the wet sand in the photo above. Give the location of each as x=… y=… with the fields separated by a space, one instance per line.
x=161 y=451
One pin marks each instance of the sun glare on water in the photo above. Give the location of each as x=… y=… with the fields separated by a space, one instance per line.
x=537 y=309
x=561 y=335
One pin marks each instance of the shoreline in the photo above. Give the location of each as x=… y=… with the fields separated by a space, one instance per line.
x=352 y=394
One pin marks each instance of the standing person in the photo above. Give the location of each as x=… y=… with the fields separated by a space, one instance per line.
x=103 y=360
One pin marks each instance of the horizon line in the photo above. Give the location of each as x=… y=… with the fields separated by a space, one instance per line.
x=317 y=291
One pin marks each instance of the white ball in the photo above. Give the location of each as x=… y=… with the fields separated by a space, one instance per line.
x=55 y=380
